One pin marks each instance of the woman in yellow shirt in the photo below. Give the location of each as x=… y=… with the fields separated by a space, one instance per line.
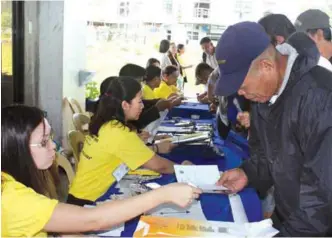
x=113 y=147
x=151 y=81
x=29 y=179
x=167 y=88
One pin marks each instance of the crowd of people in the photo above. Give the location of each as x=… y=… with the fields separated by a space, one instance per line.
x=270 y=81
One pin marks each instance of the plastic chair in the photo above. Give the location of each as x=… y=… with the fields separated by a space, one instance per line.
x=74 y=105
x=81 y=122
x=64 y=163
x=76 y=142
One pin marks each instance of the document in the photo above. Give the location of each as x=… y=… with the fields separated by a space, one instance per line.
x=196 y=175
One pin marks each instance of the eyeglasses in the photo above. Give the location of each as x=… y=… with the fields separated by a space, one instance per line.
x=44 y=142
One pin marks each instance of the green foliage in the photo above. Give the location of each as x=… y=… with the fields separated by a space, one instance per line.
x=91 y=90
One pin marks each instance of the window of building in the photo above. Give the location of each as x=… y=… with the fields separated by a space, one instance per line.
x=124 y=9
x=168 y=6
x=202 y=10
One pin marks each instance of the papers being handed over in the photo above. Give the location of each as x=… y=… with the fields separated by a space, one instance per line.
x=195 y=175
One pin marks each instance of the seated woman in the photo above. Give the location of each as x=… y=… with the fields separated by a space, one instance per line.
x=29 y=180
x=151 y=81
x=113 y=146
x=167 y=88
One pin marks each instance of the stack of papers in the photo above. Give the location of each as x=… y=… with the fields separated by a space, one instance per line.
x=180 y=139
x=170 y=129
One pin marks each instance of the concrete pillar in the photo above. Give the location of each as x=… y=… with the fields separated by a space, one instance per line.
x=54 y=53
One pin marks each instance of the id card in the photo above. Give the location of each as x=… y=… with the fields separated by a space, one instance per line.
x=120 y=172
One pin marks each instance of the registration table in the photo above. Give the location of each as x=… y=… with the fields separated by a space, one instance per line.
x=226 y=154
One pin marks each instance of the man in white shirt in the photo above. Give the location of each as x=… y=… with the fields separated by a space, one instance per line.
x=209 y=56
x=317 y=25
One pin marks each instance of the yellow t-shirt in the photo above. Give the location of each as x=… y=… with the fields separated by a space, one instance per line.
x=101 y=157
x=23 y=211
x=164 y=91
x=148 y=93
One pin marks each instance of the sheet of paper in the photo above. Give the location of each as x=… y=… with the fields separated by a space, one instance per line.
x=193 y=212
x=152 y=128
x=114 y=231
x=197 y=174
x=239 y=214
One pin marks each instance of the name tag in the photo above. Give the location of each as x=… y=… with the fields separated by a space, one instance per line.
x=120 y=172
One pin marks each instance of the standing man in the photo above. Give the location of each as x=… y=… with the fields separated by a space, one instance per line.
x=317 y=25
x=291 y=133
x=208 y=56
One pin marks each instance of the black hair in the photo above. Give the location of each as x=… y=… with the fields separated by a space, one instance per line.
x=164 y=46
x=151 y=61
x=202 y=67
x=168 y=70
x=17 y=124
x=132 y=70
x=110 y=104
x=326 y=33
x=152 y=72
x=180 y=47
x=105 y=84
x=277 y=25
x=205 y=40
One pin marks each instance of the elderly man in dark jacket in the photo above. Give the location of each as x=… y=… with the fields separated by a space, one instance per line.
x=291 y=127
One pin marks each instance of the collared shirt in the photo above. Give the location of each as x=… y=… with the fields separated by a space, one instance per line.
x=325 y=63
x=211 y=60
x=285 y=49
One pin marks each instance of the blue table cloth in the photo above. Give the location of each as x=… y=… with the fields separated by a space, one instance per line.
x=216 y=207
x=186 y=110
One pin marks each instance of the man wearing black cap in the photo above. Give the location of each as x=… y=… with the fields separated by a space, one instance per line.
x=291 y=127
x=317 y=25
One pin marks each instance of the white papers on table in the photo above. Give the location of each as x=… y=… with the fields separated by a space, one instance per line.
x=152 y=128
x=179 y=139
x=114 y=231
x=170 y=129
x=193 y=212
x=190 y=138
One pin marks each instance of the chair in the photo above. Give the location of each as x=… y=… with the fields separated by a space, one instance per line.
x=76 y=142
x=64 y=163
x=74 y=105
x=81 y=122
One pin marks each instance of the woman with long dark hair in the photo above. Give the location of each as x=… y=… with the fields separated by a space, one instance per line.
x=29 y=179
x=113 y=147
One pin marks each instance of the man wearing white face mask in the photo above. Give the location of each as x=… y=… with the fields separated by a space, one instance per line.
x=317 y=25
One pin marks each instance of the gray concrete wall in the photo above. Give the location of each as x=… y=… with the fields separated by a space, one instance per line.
x=54 y=54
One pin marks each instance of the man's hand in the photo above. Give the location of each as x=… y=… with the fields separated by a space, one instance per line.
x=162 y=105
x=235 y=180
x=244 y=119
x=176 y=102
x=213 y=107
